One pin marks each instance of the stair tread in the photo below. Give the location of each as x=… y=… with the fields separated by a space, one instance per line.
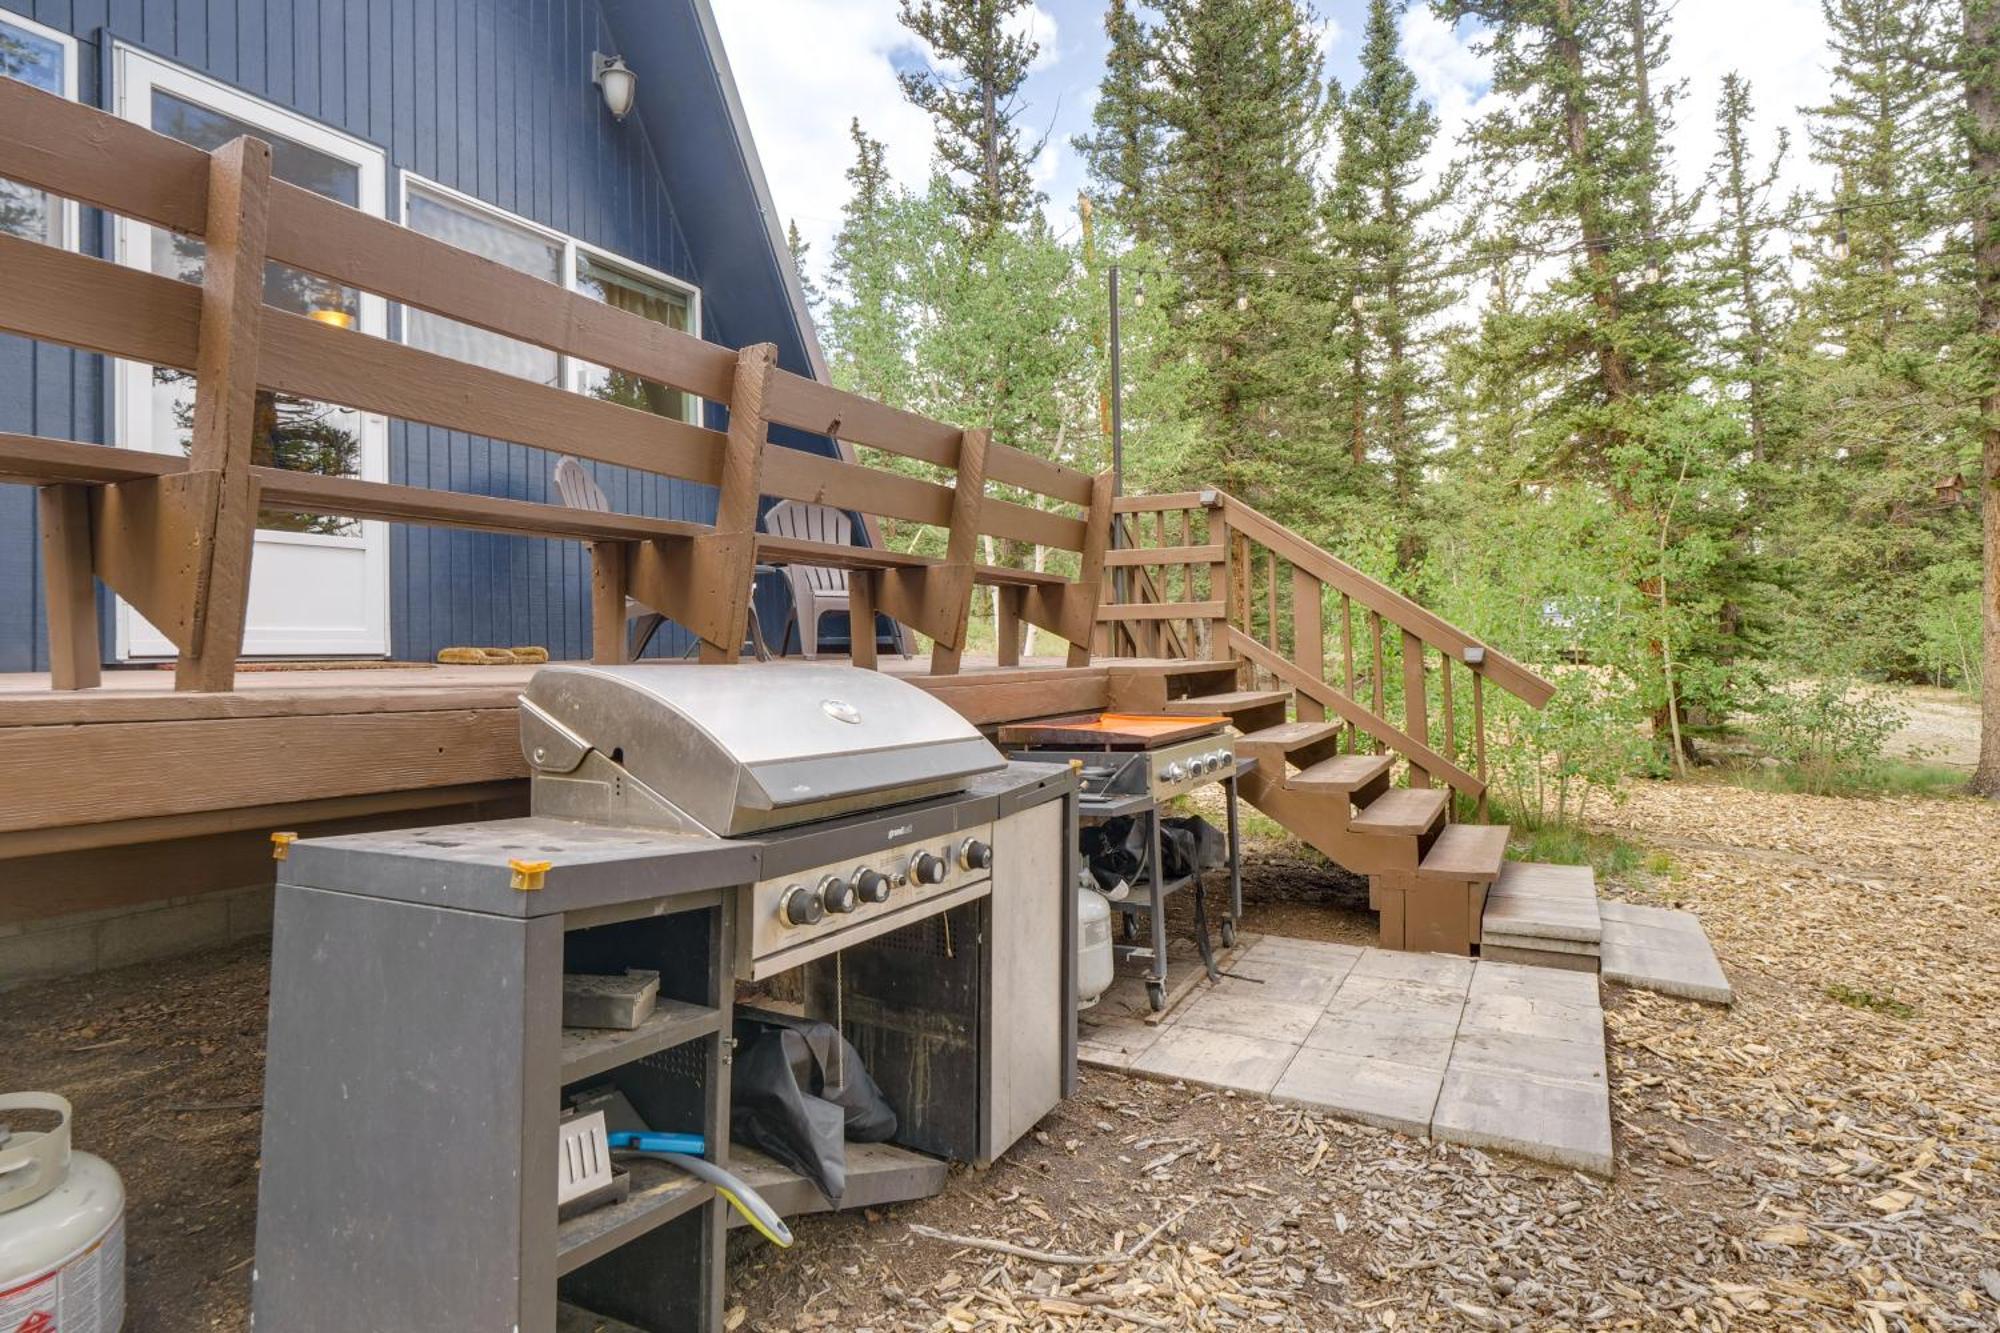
x=1467 y=852
x=1408 y=810
x=1539 y=901
x=1289 y=736
x=1342 y=773
x=1232 y=701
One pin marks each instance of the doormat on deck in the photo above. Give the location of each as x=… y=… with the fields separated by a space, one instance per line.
x=493 y=656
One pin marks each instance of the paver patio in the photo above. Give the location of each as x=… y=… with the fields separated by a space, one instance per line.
x=1487 y=1054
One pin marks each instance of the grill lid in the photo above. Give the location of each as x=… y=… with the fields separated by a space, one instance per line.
x=736 y=749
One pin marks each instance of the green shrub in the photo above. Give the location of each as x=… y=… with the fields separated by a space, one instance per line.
x=1825 y=731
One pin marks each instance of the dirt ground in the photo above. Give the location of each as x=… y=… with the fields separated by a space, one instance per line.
x=1939 y=727
x=1821 y=1156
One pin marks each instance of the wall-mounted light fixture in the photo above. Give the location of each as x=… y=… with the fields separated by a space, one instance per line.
x=618 y=83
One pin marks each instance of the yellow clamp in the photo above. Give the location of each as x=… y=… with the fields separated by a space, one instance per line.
x=528 y=875
x=281 y=845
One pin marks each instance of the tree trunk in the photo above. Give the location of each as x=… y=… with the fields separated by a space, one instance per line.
x=1982 y=98
x=1614 y=373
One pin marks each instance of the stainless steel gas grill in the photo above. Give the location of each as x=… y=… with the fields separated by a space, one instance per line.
x=852 y=781
x=707 y=824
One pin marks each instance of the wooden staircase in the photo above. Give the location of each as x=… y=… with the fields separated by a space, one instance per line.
x=1378 y=793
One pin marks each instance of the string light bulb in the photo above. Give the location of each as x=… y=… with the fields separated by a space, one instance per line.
x=1359 y=303
x=1842 y=251
x=1139 y=294
x=1242 y=300
x=1652 y=272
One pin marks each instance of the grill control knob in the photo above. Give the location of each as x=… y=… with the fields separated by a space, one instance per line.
x=872 y=885
x=801 y=906
x=1174 y=772
x=975 y=855
x=927 y=868
x=838 y=894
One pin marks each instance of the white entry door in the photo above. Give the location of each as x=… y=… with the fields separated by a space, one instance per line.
x=319 y=584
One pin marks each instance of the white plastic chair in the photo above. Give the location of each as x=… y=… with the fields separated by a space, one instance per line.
x=816 y=589
x=579 y=490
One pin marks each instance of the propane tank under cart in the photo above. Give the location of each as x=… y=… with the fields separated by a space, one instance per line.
x=774 y=939
x=62 y=1225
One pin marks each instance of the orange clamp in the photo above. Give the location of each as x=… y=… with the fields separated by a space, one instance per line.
x=528 y=875
x=281 y=845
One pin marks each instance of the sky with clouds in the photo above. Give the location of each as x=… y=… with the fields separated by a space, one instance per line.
x=805 y=68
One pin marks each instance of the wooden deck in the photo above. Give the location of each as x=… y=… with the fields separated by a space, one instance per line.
x=109 y=797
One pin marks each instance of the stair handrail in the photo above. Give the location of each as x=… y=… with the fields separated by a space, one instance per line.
x=1391 y=605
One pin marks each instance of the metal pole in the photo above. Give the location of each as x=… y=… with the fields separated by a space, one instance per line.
x=1117 y=405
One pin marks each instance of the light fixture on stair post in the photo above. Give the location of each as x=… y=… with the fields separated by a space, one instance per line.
x=616 y=81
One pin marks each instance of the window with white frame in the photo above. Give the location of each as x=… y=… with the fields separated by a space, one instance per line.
x=504 y=238
x=46 y=59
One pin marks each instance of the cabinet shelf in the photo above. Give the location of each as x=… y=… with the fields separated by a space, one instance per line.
x=587 y=1052
x=660 y=1193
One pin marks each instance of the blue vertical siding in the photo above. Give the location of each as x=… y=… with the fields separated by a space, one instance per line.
x=489 y=97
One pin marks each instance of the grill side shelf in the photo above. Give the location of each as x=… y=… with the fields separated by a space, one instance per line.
x=587 y=1052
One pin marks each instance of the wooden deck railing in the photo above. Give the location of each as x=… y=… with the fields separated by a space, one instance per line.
x=1223 y=578
x=173 y=535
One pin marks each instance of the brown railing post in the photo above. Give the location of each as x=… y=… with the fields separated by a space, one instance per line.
x=225 y=412
x=861 y=618
x=1347 y=655
x=953 y=584
x=1479 y=736
x=1007 y=626
x=732 y=560
x=1081 y=619
x=1308 y=640
x=1218 y=571
x=76 y=657
x=1416 y=706
x=610 y=582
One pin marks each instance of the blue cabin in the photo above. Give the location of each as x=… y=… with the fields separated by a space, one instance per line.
x=486 y=123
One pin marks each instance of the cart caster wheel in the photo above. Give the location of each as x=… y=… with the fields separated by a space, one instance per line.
x=1229 y=934
x=1156 y=995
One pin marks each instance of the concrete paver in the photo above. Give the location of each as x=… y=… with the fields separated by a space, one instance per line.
x=1659 y=949
x=1410 y=1040
x=1385 y=1093
x=1550 y=1120
x=1217 y=1059
x=1250 y=1016
x=1486 y=1053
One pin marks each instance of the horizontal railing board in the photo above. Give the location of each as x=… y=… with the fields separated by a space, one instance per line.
x=81 y=301
x=1164 y=555
x=100 y=159
x=1162 y=611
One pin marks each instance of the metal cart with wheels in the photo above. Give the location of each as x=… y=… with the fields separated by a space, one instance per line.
x=1134 y=765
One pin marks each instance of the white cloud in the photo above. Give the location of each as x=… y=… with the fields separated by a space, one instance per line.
x=1039 y=26
x=804 y=69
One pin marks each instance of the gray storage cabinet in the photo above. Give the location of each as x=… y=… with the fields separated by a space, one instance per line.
x=417 y=1057
x=416 y=1060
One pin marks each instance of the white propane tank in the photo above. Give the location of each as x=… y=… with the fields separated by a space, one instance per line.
x=1093 y=943
x=62 y=1229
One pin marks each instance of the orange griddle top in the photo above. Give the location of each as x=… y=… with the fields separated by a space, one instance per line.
x=1118 y=731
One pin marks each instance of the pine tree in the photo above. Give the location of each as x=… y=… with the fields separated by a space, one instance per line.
x=1750 y=276
x=1979 y=65
x=1577 y=161
x=1389 y=259
x=1243 y=110
x=867 y=319
x=971 y=95
x=800 y=250
x=1123 y=148
x=1878 y=356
